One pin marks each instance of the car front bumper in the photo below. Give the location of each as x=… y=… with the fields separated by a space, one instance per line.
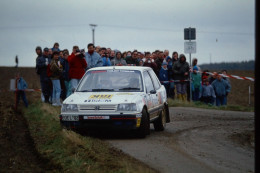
x=102 y=122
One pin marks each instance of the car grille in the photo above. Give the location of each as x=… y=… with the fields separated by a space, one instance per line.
x=98 y=108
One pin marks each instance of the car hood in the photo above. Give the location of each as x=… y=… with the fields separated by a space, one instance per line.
x=102 y=98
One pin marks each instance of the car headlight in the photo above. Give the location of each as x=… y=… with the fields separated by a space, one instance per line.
x=69 y=108
x=126 y=107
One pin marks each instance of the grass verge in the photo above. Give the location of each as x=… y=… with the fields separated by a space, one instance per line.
x=71 y=152
x=178 y=103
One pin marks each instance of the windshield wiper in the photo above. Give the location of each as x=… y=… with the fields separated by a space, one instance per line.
x=103 y=89
x=129 y=88
x=84 y=91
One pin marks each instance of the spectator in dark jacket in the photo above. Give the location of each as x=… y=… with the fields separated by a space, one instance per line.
x=56 y=72
x=181 y=73
x=65 y=73
x=77 y=65
x=170 y=71
x=132 y=60
x=42 y=63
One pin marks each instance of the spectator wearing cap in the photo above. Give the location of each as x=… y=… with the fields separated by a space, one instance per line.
x=56 y=73
x=196 y=83
x=77 y=67
x=93 y=59
x=118 y=61
x=164 y=77
x=42 y=63
x=221 y=88
x=181 y=74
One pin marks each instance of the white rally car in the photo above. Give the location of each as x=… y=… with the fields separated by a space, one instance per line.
x=118 y=96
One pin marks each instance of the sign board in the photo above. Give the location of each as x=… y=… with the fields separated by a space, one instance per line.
x=189 y=33
x=190 y=47
x=12 y=84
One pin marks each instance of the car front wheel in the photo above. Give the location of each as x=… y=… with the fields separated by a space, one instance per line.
x=144 y=128
x=160 y=123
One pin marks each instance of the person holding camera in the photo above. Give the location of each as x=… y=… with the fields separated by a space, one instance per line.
x=93 y=59
x=77 y=66
x=150 y=63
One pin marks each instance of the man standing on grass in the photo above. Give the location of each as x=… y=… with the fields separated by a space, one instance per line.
x=221 y=88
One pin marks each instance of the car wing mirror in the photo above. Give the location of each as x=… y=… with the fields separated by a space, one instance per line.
x=152 y=92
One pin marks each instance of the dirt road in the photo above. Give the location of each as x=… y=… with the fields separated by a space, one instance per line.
x=197 y=140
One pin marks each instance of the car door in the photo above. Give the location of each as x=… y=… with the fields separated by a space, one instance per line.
x=151 y=95
x=160 y=92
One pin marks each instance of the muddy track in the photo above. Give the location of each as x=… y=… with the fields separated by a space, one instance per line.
x=197 y=140
x=18 y=153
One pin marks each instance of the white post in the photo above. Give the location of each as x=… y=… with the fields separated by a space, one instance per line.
x=249 y=95
x=12 y=84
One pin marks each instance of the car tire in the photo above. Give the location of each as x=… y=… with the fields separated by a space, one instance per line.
x=160 y=123
x=144 y=128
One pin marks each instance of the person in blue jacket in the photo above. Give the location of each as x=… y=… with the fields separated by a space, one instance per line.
x=164 y=77
x=21 y=86
x=93 y=59
x=221 y=88
x=106 y=60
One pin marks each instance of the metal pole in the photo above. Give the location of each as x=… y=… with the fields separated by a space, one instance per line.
x=190 y=68
x=93 y=37
x=93 y=32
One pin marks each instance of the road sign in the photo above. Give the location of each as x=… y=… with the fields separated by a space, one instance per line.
x=189 y=33
x=190 y=47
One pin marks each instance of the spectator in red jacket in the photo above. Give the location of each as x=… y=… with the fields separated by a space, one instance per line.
x=77 y=67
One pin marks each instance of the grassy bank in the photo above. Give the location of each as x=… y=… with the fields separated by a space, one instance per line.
x=71 y=152
x=177 y=103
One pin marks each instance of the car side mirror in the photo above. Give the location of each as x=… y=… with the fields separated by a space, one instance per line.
x=152 y=92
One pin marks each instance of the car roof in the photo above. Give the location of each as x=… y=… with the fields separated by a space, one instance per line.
x=140 y=68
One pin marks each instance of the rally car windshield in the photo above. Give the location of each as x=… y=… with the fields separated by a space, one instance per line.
x=111 y=81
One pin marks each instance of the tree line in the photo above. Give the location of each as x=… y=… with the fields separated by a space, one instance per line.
x=243 y=65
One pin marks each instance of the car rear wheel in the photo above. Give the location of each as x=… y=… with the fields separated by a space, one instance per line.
x=160 y=123
x=144 y=128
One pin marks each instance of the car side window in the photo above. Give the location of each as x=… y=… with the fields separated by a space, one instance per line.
x=148 y=82
x=155 y=80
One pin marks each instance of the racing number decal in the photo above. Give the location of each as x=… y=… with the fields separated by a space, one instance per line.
x=100 y=96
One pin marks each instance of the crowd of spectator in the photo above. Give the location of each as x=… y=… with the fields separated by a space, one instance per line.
x=60 y=72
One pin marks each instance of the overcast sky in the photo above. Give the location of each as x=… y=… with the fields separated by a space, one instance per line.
x=225 y=28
